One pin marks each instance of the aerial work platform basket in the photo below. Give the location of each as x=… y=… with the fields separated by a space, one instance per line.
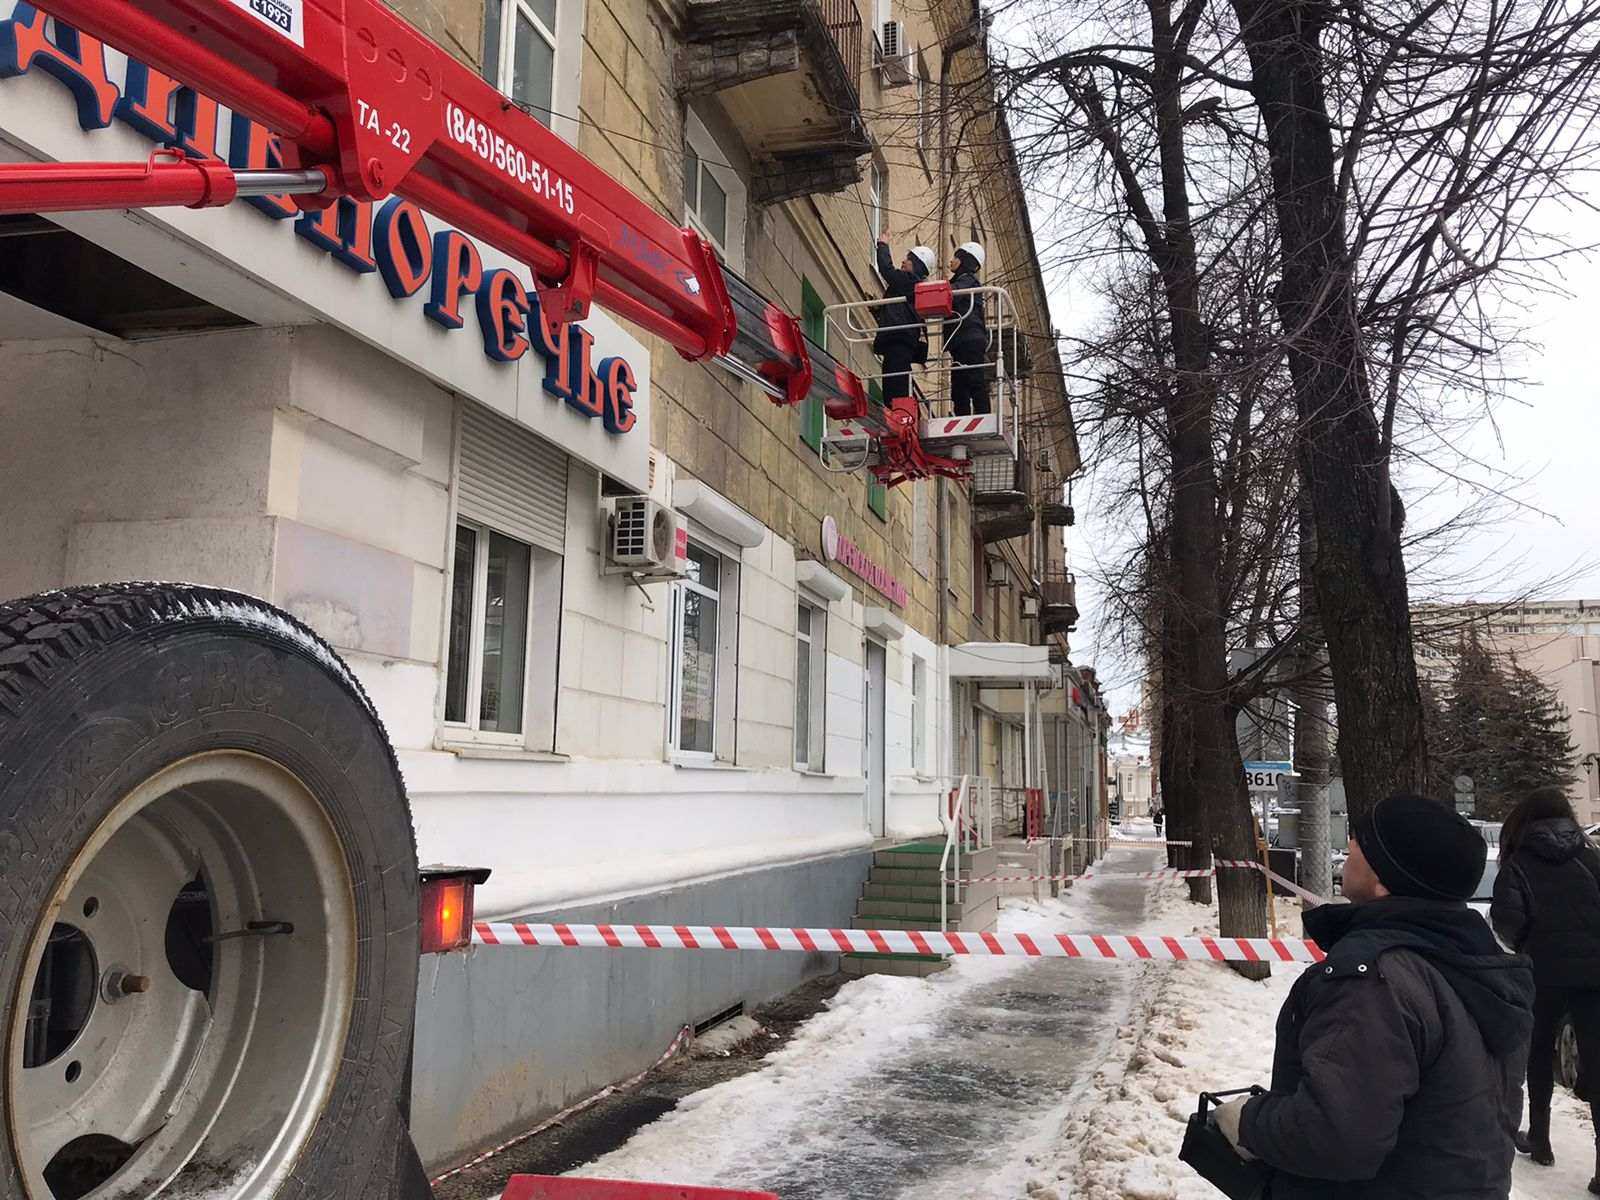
x=923 y=435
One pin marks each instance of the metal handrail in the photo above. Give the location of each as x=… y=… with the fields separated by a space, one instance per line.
x=969 y=821
x=952 y=842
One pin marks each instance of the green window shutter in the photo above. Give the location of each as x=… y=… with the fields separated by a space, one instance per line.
x=877 y=493
x=815 y=322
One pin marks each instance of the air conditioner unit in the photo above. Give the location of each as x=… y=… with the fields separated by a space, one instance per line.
x=1030 y=606
x=897 y=70
x=644 y=538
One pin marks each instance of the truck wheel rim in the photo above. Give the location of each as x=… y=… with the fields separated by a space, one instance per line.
x=148 y=1047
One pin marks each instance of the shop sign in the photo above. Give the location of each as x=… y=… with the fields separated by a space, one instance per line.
x=392 y=240
x=836 y=547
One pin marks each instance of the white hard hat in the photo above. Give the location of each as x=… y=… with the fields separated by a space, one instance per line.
x=925 y=256
x=973 y=249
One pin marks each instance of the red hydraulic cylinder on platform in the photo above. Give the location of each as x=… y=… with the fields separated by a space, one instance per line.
x=167 y=179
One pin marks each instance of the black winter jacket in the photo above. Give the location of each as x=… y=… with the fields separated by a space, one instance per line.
x=1398 y=1068
x=901 y=285
x=966 y=337
x=1547 y=904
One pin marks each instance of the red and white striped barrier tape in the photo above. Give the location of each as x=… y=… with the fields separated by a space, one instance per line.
x=1163 y=873
x=1117 y=840
x=896 y=941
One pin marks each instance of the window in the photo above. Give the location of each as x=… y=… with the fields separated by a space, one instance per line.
x=810 y=685
x=519 y=52
x=488 y=651
x=927 y=110
x=713 y=193
x=877 y=493
x=697 y=636
x=877 y=198
x=919 y=715
x=815 y=321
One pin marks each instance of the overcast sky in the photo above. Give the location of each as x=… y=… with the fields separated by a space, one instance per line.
x=1549 y=436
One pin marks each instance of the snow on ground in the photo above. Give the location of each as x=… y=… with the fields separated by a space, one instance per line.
x=1012 y=1079
x=1205 y=1028
x=952 y=1085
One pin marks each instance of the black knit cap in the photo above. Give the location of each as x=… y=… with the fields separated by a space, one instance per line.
x=1418 y=847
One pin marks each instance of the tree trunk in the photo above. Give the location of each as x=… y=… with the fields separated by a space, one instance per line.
x=1311 y=740
x=1360 y=574
x=1215 y=770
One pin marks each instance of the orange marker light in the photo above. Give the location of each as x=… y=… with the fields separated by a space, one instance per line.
x=446 y=914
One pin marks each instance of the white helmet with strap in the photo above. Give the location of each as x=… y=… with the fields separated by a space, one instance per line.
x=925 y=256
x=972 y=249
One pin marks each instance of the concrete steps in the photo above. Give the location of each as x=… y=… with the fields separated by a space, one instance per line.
x=1016 y=857
x=902 y=892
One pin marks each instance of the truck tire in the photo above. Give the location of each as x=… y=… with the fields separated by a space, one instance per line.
x=208 y=905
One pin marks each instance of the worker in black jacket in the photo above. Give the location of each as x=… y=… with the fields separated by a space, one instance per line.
x=1397 y=1072
x=902 y=338
x=1547 y=906
x=966 y=336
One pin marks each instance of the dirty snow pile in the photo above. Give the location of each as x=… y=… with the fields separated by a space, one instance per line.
x=1205 y=1028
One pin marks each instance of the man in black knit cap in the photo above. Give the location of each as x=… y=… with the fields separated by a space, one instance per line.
x=1397 y=1071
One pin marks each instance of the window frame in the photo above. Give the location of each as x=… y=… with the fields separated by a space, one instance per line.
x=816 y=639
x=919 y=715
x=717 y=162
x=675 y=696
x=469 y=731
x=566 y=40
x=877 y=205
x=813 y=313
x=926 y=112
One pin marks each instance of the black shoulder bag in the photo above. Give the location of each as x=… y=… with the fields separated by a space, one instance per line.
x=1207 y=1149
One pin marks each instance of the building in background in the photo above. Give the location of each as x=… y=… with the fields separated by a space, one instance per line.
x=330 y=410
x=1129 y=770
x=1559 y=640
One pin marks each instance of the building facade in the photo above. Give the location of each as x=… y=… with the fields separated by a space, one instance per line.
x=1559 y=640
x=321 y=409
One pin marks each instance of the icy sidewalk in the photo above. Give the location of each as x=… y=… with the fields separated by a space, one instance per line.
x=956 y=1085
x=1203 y=1028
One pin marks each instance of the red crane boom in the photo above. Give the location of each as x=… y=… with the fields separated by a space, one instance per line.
x=367 y=107
x=360 y=96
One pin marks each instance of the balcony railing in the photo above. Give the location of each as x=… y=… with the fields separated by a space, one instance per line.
x=843 y=21
x=1058 y=611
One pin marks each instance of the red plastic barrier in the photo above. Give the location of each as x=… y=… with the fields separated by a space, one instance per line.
x=565 y=1187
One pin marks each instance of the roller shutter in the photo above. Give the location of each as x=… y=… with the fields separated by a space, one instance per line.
x=512 y=480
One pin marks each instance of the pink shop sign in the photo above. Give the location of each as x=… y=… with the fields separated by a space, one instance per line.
x=836 y=547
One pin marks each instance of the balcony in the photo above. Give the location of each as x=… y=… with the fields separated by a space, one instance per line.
x=1002 y=496
x=1058 y=608
x=788 y=73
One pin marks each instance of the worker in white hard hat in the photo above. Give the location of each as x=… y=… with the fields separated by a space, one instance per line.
x=902 y=337
x=966 y=336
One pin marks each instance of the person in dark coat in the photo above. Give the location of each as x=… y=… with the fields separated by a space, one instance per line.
x=966 y=338
x=1547 y=906
x=1397 y=1072
x=902 y=337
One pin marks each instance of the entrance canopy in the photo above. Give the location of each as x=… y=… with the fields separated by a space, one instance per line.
x=1000 y=664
